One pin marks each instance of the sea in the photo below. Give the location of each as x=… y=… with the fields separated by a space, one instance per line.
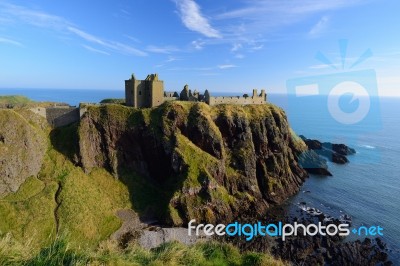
x=367 y=188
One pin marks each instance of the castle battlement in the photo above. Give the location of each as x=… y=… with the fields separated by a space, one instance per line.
x=150 y=93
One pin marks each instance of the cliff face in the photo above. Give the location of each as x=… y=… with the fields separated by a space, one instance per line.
x=22 y=147
x=208 y=163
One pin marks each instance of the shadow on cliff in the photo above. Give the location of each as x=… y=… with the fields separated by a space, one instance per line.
x=66 y=141
x=144 y=166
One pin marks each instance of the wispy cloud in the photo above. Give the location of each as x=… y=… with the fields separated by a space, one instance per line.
x=132 y=38
x=319 y=27
x=262 y=10
x=9 y=41
x=248 y=27
x=193 y=19
x=87 y=47
x=59 y=24
x=172 y=59
x=257 y=21
x=168 y=60
x=162 y=49
x=33 y=17
x=86 y=36
x=226 y=66
x=236 y=47
x=257 y=47
x=117 y=46
x=198 y=44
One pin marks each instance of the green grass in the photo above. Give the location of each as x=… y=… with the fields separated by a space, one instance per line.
x=14 y=100
x=88 y=206
x=59 y=252
x=88 y=201
x=113 y=100
x=26 y=214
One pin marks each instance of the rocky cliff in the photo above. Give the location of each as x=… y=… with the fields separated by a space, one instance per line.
x=22 y=147
x=205 y=163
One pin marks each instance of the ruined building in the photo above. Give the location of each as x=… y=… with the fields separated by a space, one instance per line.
x=150 y=93
x=144 y=93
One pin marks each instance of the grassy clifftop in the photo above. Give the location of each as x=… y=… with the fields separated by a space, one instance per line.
x=14 y=100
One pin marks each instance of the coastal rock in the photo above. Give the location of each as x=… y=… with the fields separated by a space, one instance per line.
x=313 y=163
x=211 y=164
x=327 y=250
x=334 y=152
x=22 y=148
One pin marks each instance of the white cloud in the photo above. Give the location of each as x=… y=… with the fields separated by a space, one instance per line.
x=9 y=41
x=198 y=44
x=226 y=66
x=119 y=47
x=162 y=50
x=59 y=24
x=320 y=27
x=257 y=47
x=132 y=38
x=88 y=37
x=194 y=20
x=87 y=47
x=33 y=17
x=171 y=59
x=236 y=46
x=255 y=19
x=267 y=10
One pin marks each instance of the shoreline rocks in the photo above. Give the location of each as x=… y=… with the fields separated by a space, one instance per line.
x=314 y=160
x=333 y=152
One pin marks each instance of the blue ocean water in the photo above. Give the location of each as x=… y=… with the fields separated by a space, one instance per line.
x=368 y=188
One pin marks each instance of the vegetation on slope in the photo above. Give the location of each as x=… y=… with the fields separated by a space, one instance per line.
x=63 y=199
x=204 y=163
x=109 y=253
x=113 y=100
x=14 y=100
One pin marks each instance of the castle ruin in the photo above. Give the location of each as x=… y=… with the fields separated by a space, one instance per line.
x=150 y=93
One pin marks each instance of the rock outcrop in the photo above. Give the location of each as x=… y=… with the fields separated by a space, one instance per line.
x=334 y=152
x=211 y=163
x=22 y=148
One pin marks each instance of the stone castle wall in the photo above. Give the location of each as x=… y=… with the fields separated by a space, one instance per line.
x=39 y=111
x=254 y=99
x=236 y=100
x=61 y=116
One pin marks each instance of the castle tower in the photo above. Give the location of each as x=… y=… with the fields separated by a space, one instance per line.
x=156 y=89
x=134 y=92
x=207 y=97
x=184 y=95
x=263 y=95
x=144 y=93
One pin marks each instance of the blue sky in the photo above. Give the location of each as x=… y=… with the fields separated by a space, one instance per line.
x=223 y=45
